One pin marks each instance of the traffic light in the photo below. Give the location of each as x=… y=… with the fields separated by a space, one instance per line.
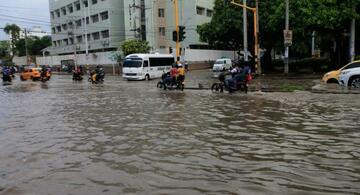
x=175 y=36
x=170 y=50
x=182 y=33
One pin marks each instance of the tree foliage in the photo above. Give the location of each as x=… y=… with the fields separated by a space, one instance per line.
x=14 y=31
x=35 y=45
x=329 y=18
x=134 y=46
x=4 y=50
x=225 y=29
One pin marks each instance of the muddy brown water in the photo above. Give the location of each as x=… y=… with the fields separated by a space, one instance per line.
x=132 y=138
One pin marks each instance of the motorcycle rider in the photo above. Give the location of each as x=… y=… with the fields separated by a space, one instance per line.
x=6 y=72
x=237 y=76
x=174 y=73
x=181 y=73
x=77 y=74
x=98 y=74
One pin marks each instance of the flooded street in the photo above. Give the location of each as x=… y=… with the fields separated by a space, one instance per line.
x=125 y=137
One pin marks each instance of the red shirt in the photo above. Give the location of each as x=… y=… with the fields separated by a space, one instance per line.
x=173 y=72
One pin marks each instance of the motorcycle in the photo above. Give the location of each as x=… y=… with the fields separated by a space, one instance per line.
x=169 y=83
x=45 y=76
x=96 y=78
x=232 y=85
x=7 y=76
x=77 y=76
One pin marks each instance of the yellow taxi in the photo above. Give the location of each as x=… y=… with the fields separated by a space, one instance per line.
x=30 y=73
x=333 y=76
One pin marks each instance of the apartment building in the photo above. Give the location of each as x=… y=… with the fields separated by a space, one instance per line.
x=192 y=14
x=101 y=25
x=86 y=25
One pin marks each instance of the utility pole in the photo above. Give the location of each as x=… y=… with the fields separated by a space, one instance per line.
x=72 y=33
x=256 y=46
x=246 y=58
x=257 y=37
x=26 y=48
x=176 y=11
x=313 y=44
x=352 y=38
x=286 y=68
x=86 y=30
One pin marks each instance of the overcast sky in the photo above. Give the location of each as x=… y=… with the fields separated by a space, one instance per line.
x=24 y=13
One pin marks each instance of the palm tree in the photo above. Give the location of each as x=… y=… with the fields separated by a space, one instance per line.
x=14 y=31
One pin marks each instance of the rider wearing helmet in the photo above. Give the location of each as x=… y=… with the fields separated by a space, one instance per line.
x=181 y=73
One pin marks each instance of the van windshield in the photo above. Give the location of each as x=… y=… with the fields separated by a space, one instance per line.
x=132 y=63
x=220 y=62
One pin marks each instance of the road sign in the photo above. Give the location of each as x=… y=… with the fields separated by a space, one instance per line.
x=288 y=36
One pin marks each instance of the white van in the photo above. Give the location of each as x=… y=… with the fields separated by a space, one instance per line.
x=146 y=66
x=222 y=65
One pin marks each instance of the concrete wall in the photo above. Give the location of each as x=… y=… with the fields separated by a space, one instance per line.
x=19 y=60
x=102 y=58
x=198 y=55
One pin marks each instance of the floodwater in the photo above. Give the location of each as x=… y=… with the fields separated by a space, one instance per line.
x=132 y=138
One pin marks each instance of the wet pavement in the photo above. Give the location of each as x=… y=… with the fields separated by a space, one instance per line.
x=125 y=137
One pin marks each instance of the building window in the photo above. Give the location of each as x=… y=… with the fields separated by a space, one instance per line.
x=209 y=13
x=162 y=47
x=71 y=25
x=162 y=31
x=66 y=41
x=96 y=36
x=77 y=5
x=71 y=9
x=57 y=12
x=52 y=15
x=94 y=2
x=200 y=10
x=65 y=27
x=71 y=41
x=161 y=13
x=94 y=18
x=88 y=37
x=59 y=42
x=79 y=39
x=54 y=43
x=104 y=15
x=86 y=3
x=53 y=30
x=105 y=34
x=58 y=28
x=63 y=10
x=78 y=23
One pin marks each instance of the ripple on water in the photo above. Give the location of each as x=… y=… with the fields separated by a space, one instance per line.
x=125 y=137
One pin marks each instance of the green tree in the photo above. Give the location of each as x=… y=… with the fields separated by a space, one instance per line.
x=35 y=45
x=4 y=50
x=14 y=31
x=134 y=46
x=329 y=18
x=38 y=44
x=225 y=29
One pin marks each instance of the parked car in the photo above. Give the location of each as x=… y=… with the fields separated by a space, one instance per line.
x=333 y=76
x=30 y=73
x=222 y=64
x=350 y=78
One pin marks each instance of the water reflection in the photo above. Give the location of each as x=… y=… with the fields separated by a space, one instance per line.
x=124 y=137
